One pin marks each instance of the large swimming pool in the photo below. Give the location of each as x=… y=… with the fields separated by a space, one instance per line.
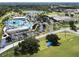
x=14 y=23
x=18 y=23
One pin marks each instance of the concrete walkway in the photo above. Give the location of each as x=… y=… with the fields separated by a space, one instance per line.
x=37 y=37
x=9 y=46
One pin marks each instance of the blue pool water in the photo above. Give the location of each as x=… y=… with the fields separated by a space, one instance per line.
x=18 y=23
x=14 y=23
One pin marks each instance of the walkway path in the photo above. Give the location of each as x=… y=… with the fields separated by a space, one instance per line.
x=37 y=37
x=9 y=46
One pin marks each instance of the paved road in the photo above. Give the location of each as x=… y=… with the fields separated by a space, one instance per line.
x=37 y=37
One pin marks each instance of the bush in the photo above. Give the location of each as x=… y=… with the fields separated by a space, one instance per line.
x=72 y=26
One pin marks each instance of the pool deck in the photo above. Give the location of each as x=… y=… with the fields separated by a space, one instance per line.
x=10 y=27
x=17 y=29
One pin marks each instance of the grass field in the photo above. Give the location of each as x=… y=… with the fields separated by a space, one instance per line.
x=0 y=33
x=55 y=13
x=1 y=27
x=69 y=47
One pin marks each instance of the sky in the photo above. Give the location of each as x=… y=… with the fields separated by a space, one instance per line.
x=39 y=0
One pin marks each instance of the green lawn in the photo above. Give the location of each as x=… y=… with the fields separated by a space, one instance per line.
x=69 y=47
x=0 y=33
x=8 y=53
x=55 y=13
x=1 y=27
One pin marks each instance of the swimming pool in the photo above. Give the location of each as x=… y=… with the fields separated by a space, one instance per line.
x=14 y=23
x=11 y=24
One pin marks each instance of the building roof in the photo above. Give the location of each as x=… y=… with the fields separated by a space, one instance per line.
x=64 y=18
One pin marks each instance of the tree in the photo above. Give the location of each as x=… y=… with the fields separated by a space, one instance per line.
x=28 y=46
x=66 y=14
x=72 y=26
x=8 y=39
x=5 y=19
x=43 y=18
x=53 y=38
x=71 y=15
x=16 y=51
